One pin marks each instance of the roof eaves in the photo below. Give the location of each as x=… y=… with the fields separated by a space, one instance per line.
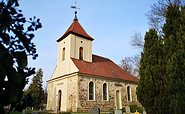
x=70 y=32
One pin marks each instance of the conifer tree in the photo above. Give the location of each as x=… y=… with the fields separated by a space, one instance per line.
x=36 y=90
x=151 y=87
x=174 y=42
x=162 y=73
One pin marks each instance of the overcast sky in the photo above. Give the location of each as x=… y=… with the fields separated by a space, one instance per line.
x=110 y=22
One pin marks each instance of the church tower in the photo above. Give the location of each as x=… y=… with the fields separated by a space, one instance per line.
x=75 y=43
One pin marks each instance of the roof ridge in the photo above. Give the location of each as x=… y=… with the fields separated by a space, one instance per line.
x=100 y=56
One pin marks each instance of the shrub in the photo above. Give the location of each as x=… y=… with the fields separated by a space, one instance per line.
x=123 y=109
x=134 y=107
x=65 y=113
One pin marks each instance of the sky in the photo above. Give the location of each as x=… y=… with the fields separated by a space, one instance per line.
x=110 y=22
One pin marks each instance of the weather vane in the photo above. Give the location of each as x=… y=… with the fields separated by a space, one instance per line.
x=75 y=7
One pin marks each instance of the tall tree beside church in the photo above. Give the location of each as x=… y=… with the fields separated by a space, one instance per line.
x=174 y=43
x=15 y=45
x=151 y=87
x=36 y=90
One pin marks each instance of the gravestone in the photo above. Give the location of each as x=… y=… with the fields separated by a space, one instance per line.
x=35 y=112
x=24 y=111
x=118 y=112
x=127 y=109
x=144 y=112
x=95 y=110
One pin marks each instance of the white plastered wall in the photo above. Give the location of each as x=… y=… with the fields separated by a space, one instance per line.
x=71 y=43
x=66 y=66
x=76 y=43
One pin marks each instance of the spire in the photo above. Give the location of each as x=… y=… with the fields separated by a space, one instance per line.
x=75 y=7
x=75 y=19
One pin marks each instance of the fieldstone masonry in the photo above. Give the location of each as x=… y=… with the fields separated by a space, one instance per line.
x=94 y=110
x=109 y=104
x=78 y=94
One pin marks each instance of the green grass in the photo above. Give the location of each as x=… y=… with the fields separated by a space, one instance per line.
x=48 y=112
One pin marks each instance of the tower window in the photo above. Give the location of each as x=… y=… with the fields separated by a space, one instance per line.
x=91 y=91
x=81 y=53
x=104 y=91
x=63 y=54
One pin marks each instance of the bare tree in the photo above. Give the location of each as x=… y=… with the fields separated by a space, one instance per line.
x=136 y=63
x=126 y=64
x=157 y=14
x=137 y=40
x=131 y=65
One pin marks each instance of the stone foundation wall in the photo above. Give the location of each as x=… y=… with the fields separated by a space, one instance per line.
x=113 y=85
x=49 y=97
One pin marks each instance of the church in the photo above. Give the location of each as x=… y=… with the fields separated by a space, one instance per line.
x=82 y=80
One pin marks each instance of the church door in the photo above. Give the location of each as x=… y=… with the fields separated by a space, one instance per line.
x=59 y=100
x=118 y=102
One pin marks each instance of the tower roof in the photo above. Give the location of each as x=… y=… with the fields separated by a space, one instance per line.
x=76 y=29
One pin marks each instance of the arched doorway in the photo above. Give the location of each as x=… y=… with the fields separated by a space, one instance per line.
x=59 y=99
x=118 y=100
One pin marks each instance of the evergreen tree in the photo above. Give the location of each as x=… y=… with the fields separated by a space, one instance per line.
x=151 y=88
x=174 y=42
x=36 y=90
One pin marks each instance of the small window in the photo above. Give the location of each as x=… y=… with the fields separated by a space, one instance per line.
x=104 y=91
x=63 y=54
x=91 y=91
x=128 y=93
x=81 y=53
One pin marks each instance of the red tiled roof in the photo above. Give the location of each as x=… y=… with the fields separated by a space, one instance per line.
x=76 y=29
x=103 y=67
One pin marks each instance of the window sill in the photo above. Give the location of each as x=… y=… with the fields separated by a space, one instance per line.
x=91 y=100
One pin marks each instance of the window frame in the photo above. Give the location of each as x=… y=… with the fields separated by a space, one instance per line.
x=106 y=92
x=129 y=97
x=93 y=91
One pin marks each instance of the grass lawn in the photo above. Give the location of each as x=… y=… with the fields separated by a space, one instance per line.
x=50 y=112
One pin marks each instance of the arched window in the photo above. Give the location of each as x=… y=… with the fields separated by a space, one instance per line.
x=128 y=93
x=63 y=54
x=81 y=53
x=104 y=91
x=91 y=91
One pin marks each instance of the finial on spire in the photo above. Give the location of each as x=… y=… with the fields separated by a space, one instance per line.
x=75 y=7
